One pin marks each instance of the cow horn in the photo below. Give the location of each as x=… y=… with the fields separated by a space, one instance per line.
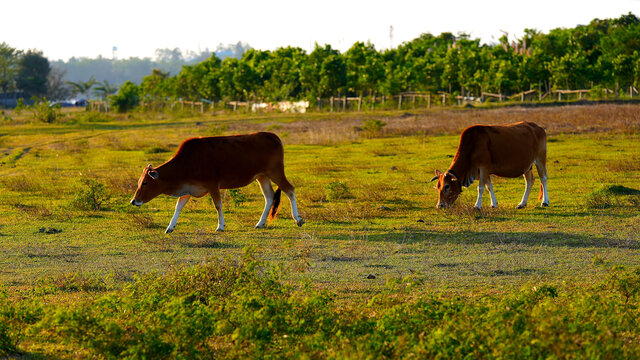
x=434 y=178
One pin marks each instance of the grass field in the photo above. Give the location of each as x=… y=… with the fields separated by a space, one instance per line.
x=68 y=234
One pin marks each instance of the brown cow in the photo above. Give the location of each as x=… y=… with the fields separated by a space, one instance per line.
x=502 y=150
x=207 y=164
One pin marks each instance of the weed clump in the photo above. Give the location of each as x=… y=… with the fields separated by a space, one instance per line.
x=91 y=196
x=373 y=127
x=611 y=196
x=337 y=190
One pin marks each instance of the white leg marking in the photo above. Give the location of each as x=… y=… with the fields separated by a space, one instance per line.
x=217 y=202
x=528 y=178
x=545 y=200
x=494 y=200
x=478 y=204
x=267 y=192
x=179 y=205
x=294 y=208
x=220 y=217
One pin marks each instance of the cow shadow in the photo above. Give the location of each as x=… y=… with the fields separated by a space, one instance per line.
x=527 y=238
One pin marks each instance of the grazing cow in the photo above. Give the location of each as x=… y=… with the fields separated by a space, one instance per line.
x=502 y=150
x=207 y=164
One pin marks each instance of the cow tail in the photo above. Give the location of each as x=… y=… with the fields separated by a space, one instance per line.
x=276 y=204
x=541 y=195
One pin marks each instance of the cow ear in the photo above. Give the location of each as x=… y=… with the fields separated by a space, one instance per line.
x=438 y=173
x=154 y=174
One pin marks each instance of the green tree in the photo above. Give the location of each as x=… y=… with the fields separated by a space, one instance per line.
x=365 y=68
x=82 y=87
x=127 y=98
x=324 y=73
x=33 y=70
x=104 y=89
x=156 y=87
x=9 y=60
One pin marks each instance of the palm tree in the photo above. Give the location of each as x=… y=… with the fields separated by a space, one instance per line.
x=104 y=90
x=82 y=87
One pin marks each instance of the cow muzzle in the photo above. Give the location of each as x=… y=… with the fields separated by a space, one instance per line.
x=135 y=202
x=442 y=206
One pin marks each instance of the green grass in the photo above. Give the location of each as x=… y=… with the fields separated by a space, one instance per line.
x=378 y=227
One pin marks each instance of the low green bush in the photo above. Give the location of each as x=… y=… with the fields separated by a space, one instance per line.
x=226 y=309
x=337 y=190
x=91 y=196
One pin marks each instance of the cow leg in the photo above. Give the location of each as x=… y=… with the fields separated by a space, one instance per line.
x=280 y=179
x=541 y=166
x=182 y=201
x=294 y=207
x=217 y=202
x=494 y=200
x=529 y=179
x=267 y=192
x=481 y=184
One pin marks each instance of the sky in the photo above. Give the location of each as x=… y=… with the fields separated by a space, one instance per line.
x=62 y=29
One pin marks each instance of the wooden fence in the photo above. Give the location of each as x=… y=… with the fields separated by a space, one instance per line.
x=405 y=100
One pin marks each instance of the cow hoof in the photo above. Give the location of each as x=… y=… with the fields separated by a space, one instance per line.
x=521 y=206
x=168 y=231
x=477 y=208
x=545 y=204
x=219 y=230
x=300 y=222
x=258 y=226
x=494 y=206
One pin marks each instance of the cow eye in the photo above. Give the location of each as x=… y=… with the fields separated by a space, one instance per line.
x=144 y=183
x=446 y=187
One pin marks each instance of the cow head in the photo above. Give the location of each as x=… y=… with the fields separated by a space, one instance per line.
x=449 y=188
x=149 y=186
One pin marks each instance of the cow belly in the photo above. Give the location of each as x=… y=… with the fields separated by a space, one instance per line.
x=191 y=189
x=511 y=172
x=236 y=183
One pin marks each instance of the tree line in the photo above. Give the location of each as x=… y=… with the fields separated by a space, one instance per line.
x=26 y=74
x=604 y=53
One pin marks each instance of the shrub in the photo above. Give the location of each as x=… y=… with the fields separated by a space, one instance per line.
x=45 y=112
x=7 y=342
x=613 y=195
x=91 y=196
x=337 y=190
x=373 y=126
x=238 y=198
x=127 y=98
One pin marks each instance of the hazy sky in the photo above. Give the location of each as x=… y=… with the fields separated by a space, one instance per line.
x=66 y=28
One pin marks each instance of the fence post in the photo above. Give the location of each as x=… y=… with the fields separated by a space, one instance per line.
x=344 y=104
x=373 y=103
x=331 y=101
x=400 y=102
x=359 y=102
x=443 y=99
x=559 y=96
x=429 y=101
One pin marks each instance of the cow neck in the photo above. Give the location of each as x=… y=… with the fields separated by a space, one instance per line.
x=459 y=169
x=167 y=170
